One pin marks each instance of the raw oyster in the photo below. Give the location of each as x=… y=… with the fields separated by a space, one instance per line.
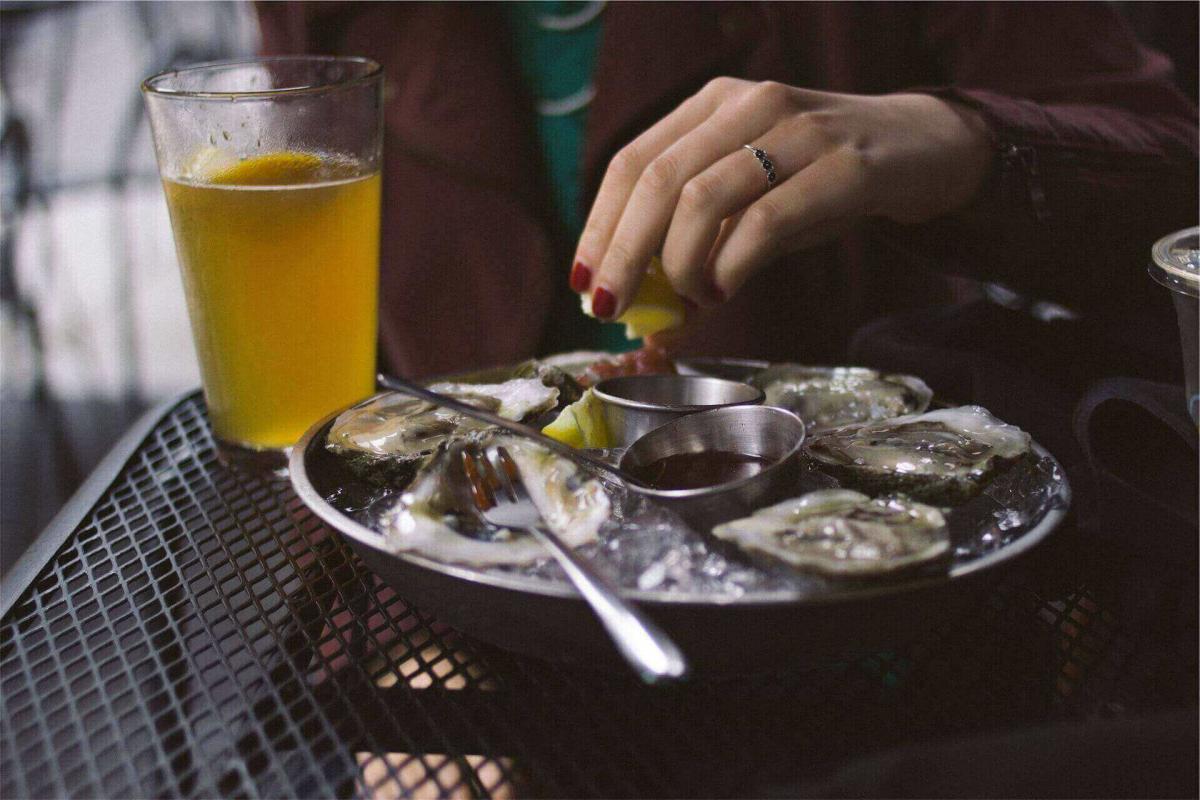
x=839 y=532
x=576 y=362
x=386 y=437
x=436 y=516
x=514 y=399
x=829 y=397
x=944 y=456
x=569 y=389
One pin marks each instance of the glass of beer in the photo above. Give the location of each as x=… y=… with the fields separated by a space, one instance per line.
x=271 y=173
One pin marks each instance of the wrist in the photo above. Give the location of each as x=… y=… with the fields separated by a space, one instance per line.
x=975 y=151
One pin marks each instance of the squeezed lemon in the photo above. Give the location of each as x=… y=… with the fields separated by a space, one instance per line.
x=655 y=306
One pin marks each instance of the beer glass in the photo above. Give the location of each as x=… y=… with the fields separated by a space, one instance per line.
x=271 y=173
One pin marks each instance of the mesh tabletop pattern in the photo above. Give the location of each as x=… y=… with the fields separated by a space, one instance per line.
x=200 y=633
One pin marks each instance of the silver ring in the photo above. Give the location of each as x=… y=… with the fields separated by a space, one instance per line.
x=767 y=164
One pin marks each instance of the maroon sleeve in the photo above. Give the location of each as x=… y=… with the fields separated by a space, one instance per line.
x=1096 y=151
x=289 y=28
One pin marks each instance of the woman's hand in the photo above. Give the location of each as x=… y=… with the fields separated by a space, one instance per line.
x=687 y=189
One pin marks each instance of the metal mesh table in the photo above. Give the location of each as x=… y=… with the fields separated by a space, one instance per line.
x=183 y=629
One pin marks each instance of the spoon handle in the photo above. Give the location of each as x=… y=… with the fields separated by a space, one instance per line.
x=645 y=646
x=467 y=410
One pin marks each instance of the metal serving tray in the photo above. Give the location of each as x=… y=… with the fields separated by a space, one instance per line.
x=770 y=629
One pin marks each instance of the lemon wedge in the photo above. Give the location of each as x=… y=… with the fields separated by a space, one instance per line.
x=655 y=307
x=207 y=162
x=272 y=169
x=581 y=424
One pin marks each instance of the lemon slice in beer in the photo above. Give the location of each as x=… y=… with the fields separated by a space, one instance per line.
x=208 y=161
x=272 y=169
x=581 y=424
x=655 y=307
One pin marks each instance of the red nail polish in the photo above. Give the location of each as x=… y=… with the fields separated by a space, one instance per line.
x=581 y=277
x=604 y=303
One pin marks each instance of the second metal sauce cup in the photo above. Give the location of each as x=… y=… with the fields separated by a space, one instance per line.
x=634 y=405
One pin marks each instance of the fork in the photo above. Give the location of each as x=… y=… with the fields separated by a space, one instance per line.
x=500 y=494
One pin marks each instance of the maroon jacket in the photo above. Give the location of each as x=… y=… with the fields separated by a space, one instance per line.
x=1096 y=157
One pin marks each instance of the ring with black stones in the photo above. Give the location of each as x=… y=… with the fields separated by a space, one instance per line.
x=767 y=164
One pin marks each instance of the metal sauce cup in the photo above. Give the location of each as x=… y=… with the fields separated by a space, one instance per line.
x=1176 y=265
x=634 y=405
x=765 y=431
x=734 y=369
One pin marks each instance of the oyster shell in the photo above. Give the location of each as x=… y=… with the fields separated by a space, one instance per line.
x=569 y=389
x=944 y=456
x=513 y=399
x=395 y=424
x=436 y=516
x=829 y=397
x=844 y=533
x=385 y=437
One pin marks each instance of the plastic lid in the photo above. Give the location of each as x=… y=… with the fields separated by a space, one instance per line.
x=1176 y=262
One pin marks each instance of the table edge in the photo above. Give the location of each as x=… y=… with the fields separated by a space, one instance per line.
x=42 y=549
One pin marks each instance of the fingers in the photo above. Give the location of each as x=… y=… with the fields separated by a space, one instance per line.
x=729 y=186
x=687 y=189
x=671 y=340
x=811 y=207
x=623 y=173
x=648 y=212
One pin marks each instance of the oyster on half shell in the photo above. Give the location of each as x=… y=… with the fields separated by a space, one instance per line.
x=436 y=515
x=829 y=397
x=386 y=438
x=844 y=533
x=944 y=456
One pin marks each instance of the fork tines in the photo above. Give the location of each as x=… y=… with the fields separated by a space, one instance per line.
x=487 y=474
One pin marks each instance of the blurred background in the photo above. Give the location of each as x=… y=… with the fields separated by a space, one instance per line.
x=93 y=328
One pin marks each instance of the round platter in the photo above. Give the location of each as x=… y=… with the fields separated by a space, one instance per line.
x=768 y=627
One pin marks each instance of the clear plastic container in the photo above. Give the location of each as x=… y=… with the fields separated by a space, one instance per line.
x=1175 y=263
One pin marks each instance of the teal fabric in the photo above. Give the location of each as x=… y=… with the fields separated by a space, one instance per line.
x=557 y=64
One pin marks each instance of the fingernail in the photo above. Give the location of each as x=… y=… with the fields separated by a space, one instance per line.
x=604 y=303
x=581 y=277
